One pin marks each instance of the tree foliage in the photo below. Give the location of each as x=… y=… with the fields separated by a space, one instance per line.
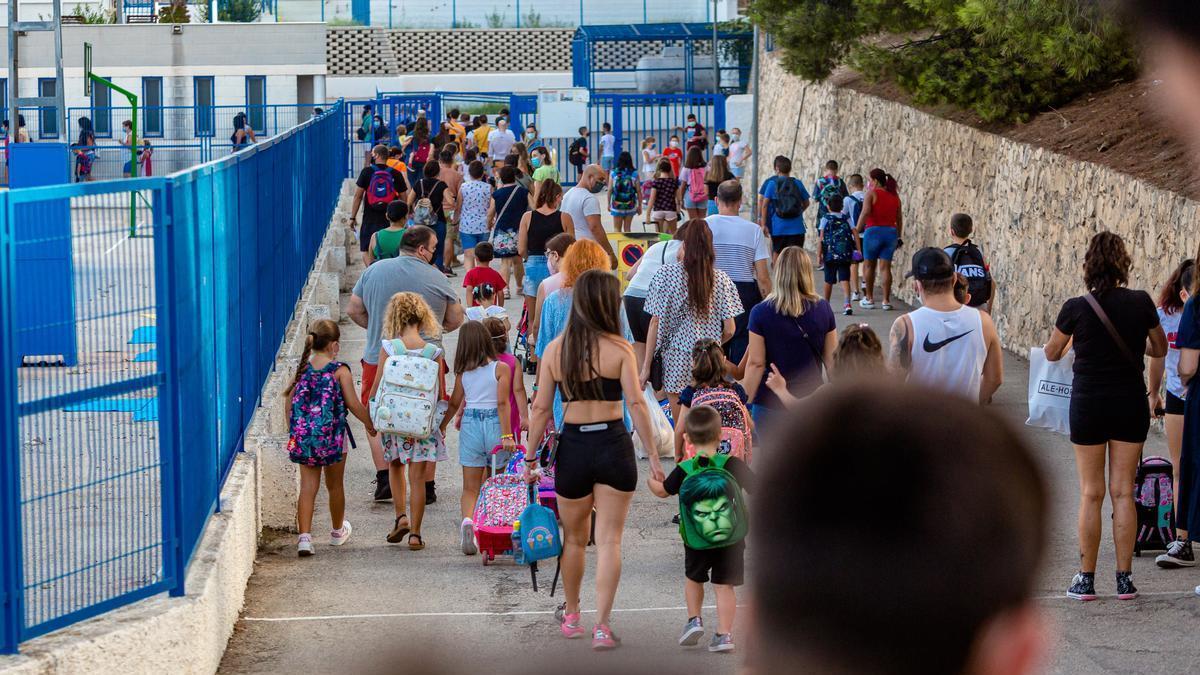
x=1003 y=59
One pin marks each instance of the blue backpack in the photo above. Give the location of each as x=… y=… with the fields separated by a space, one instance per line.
x=838 y=238
x=540 y=538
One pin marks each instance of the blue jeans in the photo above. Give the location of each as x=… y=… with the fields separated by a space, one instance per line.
x=439 y=251
x=536 y=271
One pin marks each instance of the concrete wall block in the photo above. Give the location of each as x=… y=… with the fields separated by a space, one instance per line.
x=280 y=481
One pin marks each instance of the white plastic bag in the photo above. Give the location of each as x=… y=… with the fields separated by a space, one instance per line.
x=664 y=434
x=1050 y=391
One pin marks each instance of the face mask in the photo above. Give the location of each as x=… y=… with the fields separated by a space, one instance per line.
x=674 y=144
x=597 y=187
x=735 y=138
x=691 y=125
x=535 y=162
x=531 y=134
x=651 y=146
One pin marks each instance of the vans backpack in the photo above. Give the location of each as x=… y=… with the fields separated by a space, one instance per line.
x=968 y=262
x=407 y=401
x=838 y=238
x=625 y=192
x=735 y=422
x=788 y=201
x=712 y=509
x=423 y=212
x=318 y=416
x=1154 y=499
x=697 y=190
x=540 y=538
x=381 y=191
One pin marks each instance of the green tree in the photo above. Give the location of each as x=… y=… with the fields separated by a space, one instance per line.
x=1003 y=59
x=242 y=11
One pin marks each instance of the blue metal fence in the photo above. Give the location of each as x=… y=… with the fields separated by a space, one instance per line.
x=114 y=463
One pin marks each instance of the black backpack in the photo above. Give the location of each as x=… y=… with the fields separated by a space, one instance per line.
x=575 y=154
x=788 y=201
x=968 y=262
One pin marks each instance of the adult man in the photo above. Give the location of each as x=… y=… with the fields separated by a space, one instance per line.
x=739 y=153
x=500 y=141
x=457 y=131
x=374 y=177
x=821 y=608
x=413 y=271
x=581 y=203
x=697 y=137
x=449 y=174
x=782 y=207
x=944 y=344
x=742 y=253
x=481 y=132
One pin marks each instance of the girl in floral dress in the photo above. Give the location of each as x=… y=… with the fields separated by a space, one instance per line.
x=407 y=316
x=321 y=394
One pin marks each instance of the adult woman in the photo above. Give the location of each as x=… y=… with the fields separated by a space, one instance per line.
x=537 y=226
x=1188 y=486
x=639 y=276
x=625 y=197
x=420 y=152
x=664 y=198
x=593 y=367
x=543 y=168
x=509 y=203
x=432 y=188
x=379 y=130
x=556 y=253
x=1109 y=327
x=531 y=139
x=793 y=330
x=718 y=172
x=694 y=170
x=649 y=158
x=687 y=301
x=1171 y=300
x=524 y=169
x=881 y=224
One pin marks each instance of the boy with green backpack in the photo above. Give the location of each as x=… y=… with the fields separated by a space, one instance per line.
x=713 y=523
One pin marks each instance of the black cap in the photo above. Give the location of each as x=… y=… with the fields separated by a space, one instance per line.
x=931 y=264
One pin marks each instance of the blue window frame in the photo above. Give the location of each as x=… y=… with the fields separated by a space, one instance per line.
x=256 y=102
x=203 y=100
x=102 y=110
x=47 y=115
x=152 y=112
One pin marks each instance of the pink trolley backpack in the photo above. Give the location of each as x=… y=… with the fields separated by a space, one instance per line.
x=1154 y=498
x=502 y=498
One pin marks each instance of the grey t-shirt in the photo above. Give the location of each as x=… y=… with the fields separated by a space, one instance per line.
x=386 y=278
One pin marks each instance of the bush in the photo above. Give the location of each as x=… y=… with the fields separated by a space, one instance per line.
x=1003 y=59
x=240 y=11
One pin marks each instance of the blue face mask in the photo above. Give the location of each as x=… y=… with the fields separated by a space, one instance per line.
x=535 y=162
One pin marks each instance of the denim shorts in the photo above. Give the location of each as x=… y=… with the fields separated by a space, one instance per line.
x=536 y=271
x=879 y=242
x=469 y=241
x=606 y=162
x=480 y=433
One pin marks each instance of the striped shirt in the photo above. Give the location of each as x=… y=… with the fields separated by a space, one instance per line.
x=738 y=244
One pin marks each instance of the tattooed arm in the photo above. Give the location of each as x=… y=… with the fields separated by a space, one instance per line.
x=900 y=347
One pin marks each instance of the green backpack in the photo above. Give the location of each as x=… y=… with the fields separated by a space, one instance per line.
x=712 y=510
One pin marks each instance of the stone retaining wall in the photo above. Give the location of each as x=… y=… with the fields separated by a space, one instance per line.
x=1034 y=210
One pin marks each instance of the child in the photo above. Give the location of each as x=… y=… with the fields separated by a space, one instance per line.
x=146 y=153
x=484 y=296
x=482 y=272
x=828 y=185
x=386 y=242
x=859 y=354
x=577 y=154
x=474 y=197
x=970 y=264
x=406 y=317
x=518 y=400
x=396 y=156
x=711 y=504
x=482 y=389
x=839 y=243
x=664 y=198
x=608 y=147
x=321 y=394
x=852 y=206
x=708 y=375
x=673 y=154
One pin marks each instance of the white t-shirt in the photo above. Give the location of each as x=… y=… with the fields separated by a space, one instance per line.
x=661 y=253
x=478 y=313
x=500 y=143
x=737 y=152
x=738 y=244
x=579 y=203
x=1170 y=324
x=608 y=144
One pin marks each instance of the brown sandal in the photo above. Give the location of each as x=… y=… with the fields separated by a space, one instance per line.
x=418 y=544
x=398 y=531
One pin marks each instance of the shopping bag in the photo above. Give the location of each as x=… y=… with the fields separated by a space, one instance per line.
x=664 y=433
x=1050 y=391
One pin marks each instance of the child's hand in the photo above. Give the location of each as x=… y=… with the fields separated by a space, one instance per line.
x=525 y=423
x=371 y=430
x=508 y=443
x=775 y=381
x=458 y=420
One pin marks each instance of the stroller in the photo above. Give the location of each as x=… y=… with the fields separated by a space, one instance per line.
x=523 y=350
x=501 y=500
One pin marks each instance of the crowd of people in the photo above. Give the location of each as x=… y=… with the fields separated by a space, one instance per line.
x=726 y=324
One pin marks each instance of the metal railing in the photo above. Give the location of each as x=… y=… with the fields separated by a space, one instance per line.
x=130 y=366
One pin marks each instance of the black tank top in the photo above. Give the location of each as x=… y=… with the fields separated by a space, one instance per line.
x=541 y=228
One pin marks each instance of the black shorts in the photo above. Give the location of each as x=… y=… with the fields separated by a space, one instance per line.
x=727 y=564
x=1095 y=421
x=366 y=231
x=1175 y=404
x=639 y=320
x=782 y=241
x=601 y=455
x=836 y=271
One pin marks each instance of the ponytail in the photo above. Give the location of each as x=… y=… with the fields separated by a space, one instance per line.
x=321 y=334
x=889 y=184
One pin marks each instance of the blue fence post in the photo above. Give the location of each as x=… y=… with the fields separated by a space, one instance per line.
x=618 y=126
x=12 y=611
x=718 y=112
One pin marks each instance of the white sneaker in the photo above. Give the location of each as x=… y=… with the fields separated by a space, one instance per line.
x=304 y=547
x=854 y=296
x=339 y=537
x=886 y=307
x=466 y=537
x=866 y=304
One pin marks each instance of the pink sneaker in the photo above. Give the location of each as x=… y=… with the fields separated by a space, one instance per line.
x=570 y=624
x=603 y=638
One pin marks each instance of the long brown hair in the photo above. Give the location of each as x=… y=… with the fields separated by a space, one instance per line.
x=475 y=348
x=595 y=311
x=699 y=262
x=321 y=334
x=694 y=159
x=499 y=334
x=718 y=170
x=1181 y=280
x=1107 y=263
x=708 y=364
x=548 y=193
x=859 y=353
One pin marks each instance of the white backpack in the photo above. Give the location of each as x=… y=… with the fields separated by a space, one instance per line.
x=406 y=403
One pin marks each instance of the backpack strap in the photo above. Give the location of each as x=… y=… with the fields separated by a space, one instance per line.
x=1112 y=331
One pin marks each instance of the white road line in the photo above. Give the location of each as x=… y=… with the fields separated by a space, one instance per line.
x=422 y=615
x=1190 y=591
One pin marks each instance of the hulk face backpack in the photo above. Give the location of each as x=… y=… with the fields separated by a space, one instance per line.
x=712 y=510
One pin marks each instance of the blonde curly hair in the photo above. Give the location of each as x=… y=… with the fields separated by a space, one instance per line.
x=409 y=309
x=582 y=256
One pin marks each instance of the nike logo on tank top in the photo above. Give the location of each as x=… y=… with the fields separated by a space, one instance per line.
x=948 y=350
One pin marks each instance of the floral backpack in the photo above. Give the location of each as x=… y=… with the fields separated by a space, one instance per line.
x=736 y=426
x=318 y=417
